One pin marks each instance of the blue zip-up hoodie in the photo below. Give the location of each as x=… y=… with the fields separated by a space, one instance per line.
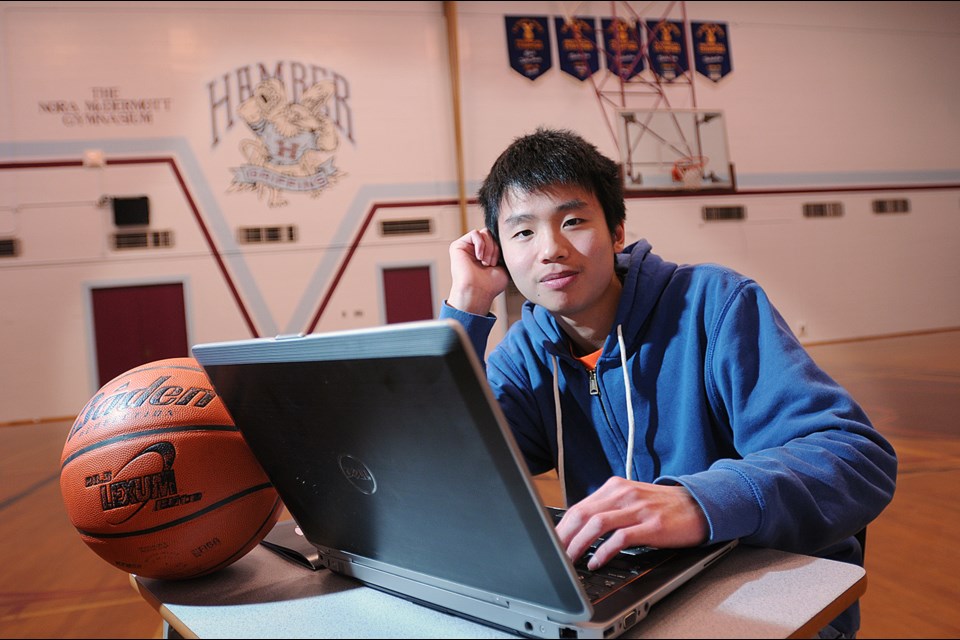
x=725 y=401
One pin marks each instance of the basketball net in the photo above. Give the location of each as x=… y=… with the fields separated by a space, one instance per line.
x=688 y=171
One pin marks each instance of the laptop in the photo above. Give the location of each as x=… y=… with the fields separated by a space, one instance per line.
x=393 y=457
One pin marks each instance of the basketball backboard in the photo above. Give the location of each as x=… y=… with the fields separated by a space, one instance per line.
x=674 y=150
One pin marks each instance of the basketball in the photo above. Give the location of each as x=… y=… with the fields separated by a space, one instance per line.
x=157 y=479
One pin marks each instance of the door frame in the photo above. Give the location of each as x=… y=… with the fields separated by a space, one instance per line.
x=93 y=375
x=431 y=266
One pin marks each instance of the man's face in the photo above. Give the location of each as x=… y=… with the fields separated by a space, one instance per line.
x=559 y=251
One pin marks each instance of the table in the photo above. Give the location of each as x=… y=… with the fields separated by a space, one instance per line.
x=751 y=593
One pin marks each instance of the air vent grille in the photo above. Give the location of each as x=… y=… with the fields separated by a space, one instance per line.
x=406 y=227
x=268 y=235
x=734 y=212
x=142 y=240
x=898 y=205
x=823 y=209
x=9 y=247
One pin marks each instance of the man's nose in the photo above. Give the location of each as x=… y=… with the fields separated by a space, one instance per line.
x=553 y=246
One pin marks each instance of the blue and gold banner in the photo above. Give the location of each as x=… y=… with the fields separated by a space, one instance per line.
x=577 y=45
x=622 y=46
x=711 y=49
x=666 y=46
x=528 y=45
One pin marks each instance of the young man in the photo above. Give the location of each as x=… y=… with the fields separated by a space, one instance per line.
x=675 y=403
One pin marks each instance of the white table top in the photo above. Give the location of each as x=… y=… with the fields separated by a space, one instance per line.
x=751 y=593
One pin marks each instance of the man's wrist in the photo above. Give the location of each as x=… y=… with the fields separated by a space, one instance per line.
x=470 y=303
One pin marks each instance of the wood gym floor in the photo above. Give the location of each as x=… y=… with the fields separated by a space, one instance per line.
x=53 y=586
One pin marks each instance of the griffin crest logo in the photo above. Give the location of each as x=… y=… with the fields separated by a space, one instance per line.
x=294 y=142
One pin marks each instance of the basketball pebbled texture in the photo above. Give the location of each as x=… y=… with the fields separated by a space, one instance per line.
x=157 y=479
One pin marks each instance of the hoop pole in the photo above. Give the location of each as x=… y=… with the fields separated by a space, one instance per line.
x=453 y=51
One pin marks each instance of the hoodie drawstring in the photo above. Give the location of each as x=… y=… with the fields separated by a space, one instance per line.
x=626 y=391
x=631 y=429
x=556 y=404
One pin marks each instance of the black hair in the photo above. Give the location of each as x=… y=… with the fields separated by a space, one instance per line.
x=549 y=157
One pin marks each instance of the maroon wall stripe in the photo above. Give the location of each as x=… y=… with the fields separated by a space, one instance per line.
x=193 y=206
x=356 y=242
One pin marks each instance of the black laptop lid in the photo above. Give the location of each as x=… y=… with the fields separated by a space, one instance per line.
x=385 y=443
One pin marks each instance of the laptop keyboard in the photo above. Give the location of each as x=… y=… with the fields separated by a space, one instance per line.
x=621 y=570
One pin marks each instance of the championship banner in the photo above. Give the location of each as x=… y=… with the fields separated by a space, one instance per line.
x=711 y=49
x=622 y=46
x=528 y=45
x=667 y=48
x=577 y=46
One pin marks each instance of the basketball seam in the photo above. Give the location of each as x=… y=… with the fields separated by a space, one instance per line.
x=138 y=434
x=178 y=521
x=259 y=533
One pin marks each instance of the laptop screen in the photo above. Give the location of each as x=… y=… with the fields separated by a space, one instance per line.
x=386 y=444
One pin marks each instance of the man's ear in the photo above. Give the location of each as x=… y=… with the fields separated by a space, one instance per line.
x=619 y=237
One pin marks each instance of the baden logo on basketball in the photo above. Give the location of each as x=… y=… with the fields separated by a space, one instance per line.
x=153 y=401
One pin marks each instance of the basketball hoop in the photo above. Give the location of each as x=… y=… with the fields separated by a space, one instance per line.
x=688 y=171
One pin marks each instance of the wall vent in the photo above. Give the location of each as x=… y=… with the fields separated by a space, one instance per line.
x=269 y=235
x=897 y=205
x=823 y=209
x=9 y=247
x=734 y=212
x=131 y=212
x=406 y=227
x=142 y=240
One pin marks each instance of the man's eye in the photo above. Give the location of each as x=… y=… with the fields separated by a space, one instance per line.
x=523 y=233
x=572 y=222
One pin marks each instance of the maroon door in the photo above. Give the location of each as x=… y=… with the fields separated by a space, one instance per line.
x=407 y=294
x=134 y=325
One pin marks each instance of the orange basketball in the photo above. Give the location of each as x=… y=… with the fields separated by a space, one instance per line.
x=158 y=480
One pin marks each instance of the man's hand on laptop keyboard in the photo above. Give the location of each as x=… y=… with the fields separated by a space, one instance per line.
x=629 y=514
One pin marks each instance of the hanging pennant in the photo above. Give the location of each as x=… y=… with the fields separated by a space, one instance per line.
x=622 y=47
x=528 y=45
x=666 y=46
x=577 y=46
x=711 y=49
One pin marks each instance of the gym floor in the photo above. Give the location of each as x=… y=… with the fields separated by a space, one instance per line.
x=53 y=586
